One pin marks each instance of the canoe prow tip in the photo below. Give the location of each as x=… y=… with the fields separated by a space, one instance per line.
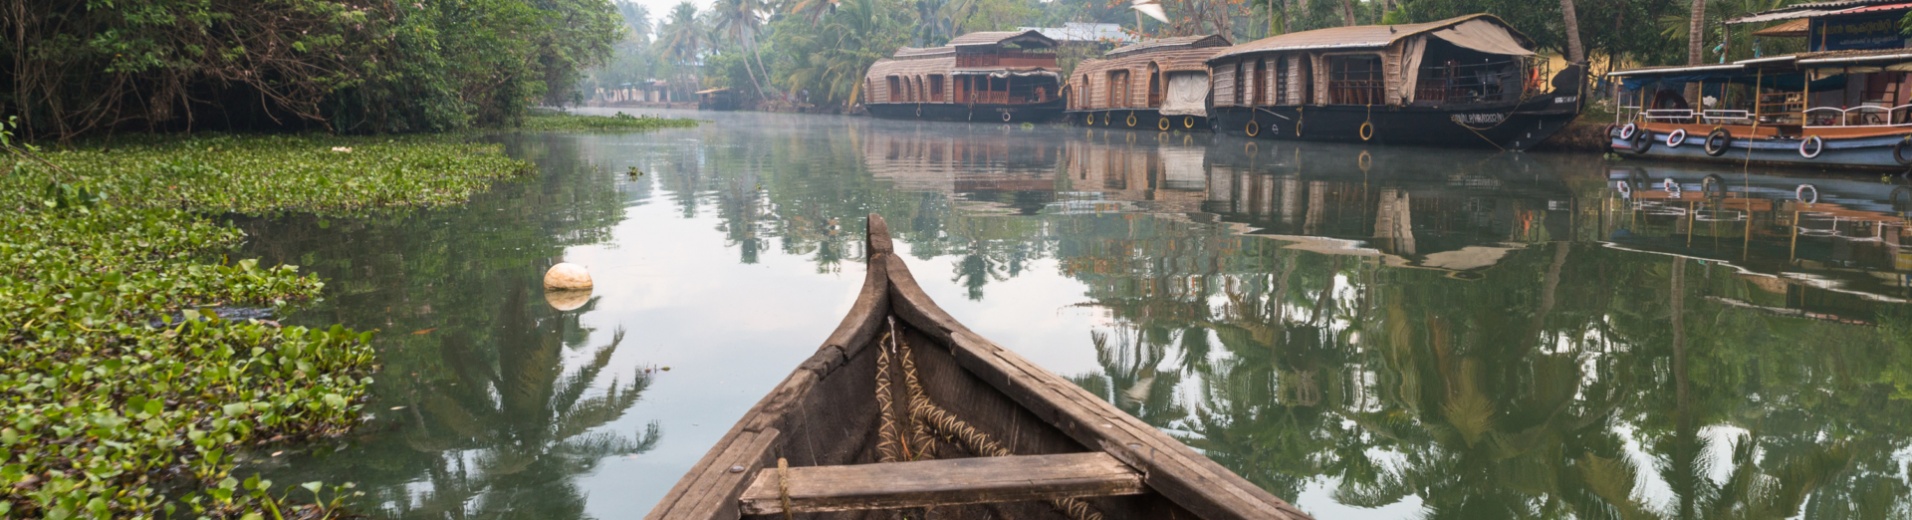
x=879 y=236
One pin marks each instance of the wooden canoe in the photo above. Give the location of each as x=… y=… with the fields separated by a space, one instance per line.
x=972 y=431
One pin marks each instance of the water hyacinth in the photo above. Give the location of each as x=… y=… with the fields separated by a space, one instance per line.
x=120 y=397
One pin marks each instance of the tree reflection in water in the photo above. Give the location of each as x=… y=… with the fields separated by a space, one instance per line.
x=508 y=436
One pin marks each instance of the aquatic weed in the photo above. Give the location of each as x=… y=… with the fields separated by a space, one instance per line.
x=121 y=398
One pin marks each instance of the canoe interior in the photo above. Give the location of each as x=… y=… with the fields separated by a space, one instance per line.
x=837 y=424
x=826 y=413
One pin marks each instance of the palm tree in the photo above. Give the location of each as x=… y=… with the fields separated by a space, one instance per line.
x=683 y=39
x=637 y=18
x=1575 y=52
x=741 y=20
x=1695 y=37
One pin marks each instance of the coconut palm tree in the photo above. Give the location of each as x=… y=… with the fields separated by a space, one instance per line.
x=742 y=20
x=683 y=39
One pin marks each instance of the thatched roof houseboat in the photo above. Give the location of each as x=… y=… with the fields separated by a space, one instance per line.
x=1466 y=81
x=1160 y=84
x=1008 y=76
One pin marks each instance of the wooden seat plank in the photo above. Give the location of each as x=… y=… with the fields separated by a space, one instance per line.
x=978 y=480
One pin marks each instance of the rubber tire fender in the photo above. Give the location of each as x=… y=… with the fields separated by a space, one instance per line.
x=1902 y=151
x=1718 y=141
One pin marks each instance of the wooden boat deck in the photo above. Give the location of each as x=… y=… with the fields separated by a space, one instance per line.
x=1065 y=453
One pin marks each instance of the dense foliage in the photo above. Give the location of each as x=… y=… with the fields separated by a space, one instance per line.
x=815 y=51
x=125 y=393
x=78 y=67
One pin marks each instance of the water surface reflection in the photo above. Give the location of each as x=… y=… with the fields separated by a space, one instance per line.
x=1372 y=333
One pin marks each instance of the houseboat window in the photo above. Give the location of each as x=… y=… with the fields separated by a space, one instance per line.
x=1355 y=80
x=1155 y=85
x=1118 y=88
x=1261 y=82
x=1282 y=94
x=896 y=89
x=936 y=88
x=1239 y=86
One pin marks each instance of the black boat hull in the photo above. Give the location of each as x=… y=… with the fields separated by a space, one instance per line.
x=984 y=113
x=1508 y=127
x=1136 y=118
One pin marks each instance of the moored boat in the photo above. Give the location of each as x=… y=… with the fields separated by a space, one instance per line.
x=1467 y=81
x=1819 y=110
x=904 y=408
x=1006 y=76
x=1159 y=85
x=1841 y=104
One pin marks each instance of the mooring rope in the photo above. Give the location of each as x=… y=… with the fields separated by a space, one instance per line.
x=886 y=429
x=957 y=431
x=919 y=434
x=783 y=487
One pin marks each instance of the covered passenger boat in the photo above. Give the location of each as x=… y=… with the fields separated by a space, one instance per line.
x=904 y=409
x=1841 y=104
x=1467 y=81
x=1005 y=76
x=1156 y=84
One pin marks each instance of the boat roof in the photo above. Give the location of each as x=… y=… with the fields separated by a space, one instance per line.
x=1360 y=36
x=1178 y=42
x=993 y=38
x=1808 y=60
x=919 y=52
x=1794 y=29
x=1815 y=9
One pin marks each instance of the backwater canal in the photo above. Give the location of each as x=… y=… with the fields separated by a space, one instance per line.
x=1370 y=333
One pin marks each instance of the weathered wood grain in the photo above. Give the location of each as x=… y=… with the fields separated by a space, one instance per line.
x=931 y=483
x=1172 y=468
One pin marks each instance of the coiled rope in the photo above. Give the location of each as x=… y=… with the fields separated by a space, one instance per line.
x=925 y=415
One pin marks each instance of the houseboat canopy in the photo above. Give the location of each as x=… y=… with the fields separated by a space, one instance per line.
x=1809 y=10
x=1479 y=32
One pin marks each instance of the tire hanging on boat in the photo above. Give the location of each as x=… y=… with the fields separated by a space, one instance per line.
x=1367 y=131
x=1718 y=141
x=1641 y=141
x=1188 y=121
x=1088 y=119
x=1902 y=151
x=1811 y=147
x=1005 y=116
x=1627 y=132
x=1163 y=124
x=1252 y=128
x=1131 y=120
x=1676 y=138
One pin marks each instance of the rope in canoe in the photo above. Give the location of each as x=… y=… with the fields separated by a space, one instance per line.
x=783 y=487
x=886 y=448
x=925 y=415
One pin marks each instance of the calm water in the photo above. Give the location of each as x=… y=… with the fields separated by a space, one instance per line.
x=1370 y=333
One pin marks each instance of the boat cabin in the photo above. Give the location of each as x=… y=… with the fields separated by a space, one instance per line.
x=1845 y=101
x=1466 y=81
x=1000 y=74
x=1160 y=84
x=1474 y=60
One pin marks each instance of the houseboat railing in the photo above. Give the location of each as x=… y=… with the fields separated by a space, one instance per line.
x=1727 y=117
x=1859 y=116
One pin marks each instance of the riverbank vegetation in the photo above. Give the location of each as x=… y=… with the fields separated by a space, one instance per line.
x=140 y=358
x=784 y=53
x=348 y=66
x=620 y=122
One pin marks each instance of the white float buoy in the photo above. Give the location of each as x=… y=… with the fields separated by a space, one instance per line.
x=567 y=276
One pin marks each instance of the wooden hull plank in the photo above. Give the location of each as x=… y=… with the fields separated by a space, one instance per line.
x=1173 y=469
x=931 y=483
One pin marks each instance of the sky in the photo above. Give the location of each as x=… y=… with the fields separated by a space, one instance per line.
x=659 y=8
